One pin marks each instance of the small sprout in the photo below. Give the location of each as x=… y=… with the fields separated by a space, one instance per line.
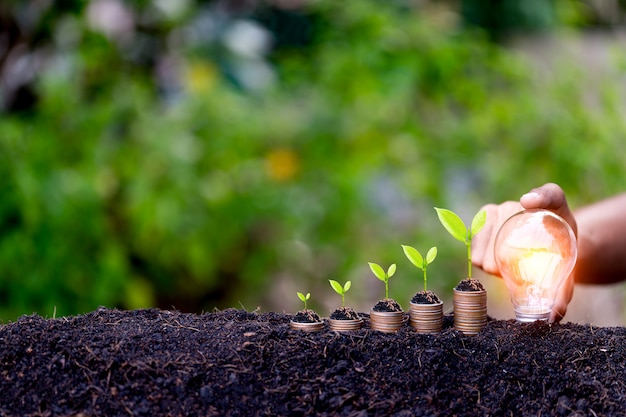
x=382 y=275
x=340 y=290
x=455 y=226
x=419 y=261
x=304 y=298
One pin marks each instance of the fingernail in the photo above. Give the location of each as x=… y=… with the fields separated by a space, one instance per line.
x=531 y=195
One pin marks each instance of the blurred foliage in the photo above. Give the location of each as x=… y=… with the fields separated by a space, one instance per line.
x=209 y=154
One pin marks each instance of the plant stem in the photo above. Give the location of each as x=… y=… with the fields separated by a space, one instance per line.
x=387 y=288
x=469 y=260
x=425 y=279
x=343 y=303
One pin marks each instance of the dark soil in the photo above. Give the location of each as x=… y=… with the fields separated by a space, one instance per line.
x=238 y=363
x=387 y=305
x=306 y=316
x=425 y=297
x=344 y=313
x=469 y=284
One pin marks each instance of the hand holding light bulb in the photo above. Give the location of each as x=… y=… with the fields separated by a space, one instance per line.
x=536 y=252
x=549 y=197
x=600 y=230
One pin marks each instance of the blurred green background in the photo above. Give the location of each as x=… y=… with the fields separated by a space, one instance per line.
x=208 y=154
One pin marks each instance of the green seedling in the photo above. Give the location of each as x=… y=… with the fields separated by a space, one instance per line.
x=340 y=290
x=304 y=298
x=382 y=275
x=455 y=226
x=419 y=261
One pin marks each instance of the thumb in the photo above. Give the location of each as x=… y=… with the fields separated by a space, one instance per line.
x=550 y=197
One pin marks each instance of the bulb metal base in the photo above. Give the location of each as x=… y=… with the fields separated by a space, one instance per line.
x=531 y=315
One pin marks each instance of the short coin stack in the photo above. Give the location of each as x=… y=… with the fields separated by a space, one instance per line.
x=386 y=321
x=345 y=325
x=307 y=327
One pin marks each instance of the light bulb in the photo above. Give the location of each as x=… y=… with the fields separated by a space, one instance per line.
x=535 y=251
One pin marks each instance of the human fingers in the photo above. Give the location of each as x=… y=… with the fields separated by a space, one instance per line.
x=562 y=300
x=550 y=197
x=484 y=242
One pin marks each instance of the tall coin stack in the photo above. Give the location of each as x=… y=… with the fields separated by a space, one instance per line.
x=470 y=311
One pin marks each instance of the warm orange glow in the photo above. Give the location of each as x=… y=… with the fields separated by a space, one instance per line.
x=538 y=266
x=536 y=252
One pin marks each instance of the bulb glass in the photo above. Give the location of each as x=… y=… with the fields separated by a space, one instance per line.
x=535 y=251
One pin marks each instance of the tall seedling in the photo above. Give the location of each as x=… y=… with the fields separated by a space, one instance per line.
x=455 y=226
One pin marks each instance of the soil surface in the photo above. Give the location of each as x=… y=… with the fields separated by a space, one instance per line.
x=238 y=363
x=388 y=305
x=425 y=297
x=469 y=284
x=306 y=316
x=344 y=313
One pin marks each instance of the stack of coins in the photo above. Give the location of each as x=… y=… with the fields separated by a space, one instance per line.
x=470 y=311
x=345 y=325
x=307 y=327
x=386 y=321
x=426 y=318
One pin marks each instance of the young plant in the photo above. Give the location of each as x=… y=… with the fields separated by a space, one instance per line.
x=382 y=275
x=455 y=226
x=419 y=261
x=304 y=298
x=340 y=290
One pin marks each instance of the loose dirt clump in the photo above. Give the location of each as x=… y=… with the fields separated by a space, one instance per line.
x=425 y=297
x=306 y=316
x=344 y=313
x=387 y=305
x=234 y=362
x=469 y=284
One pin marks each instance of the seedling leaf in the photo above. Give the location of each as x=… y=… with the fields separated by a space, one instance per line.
x=336 y=286
x=391 y=270
x=453 y=224
x=378 y=271
x=347 y=286
x=431 y=255
x=477 y=223
x=414 y=256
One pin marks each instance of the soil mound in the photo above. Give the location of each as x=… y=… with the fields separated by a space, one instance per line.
x=239 y=363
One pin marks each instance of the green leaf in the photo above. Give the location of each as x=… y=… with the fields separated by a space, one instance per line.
x=453 y=224
x=336 y=286
x=477 y=223
x=347 y=286
x=303 y=297
x=377 y=270
x=414 y=256
x=391 y=270
x=431 y=255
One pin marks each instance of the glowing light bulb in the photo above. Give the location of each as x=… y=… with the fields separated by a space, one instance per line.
x=535 y=251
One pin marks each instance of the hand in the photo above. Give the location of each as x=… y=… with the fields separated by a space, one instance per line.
x=550 y=197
